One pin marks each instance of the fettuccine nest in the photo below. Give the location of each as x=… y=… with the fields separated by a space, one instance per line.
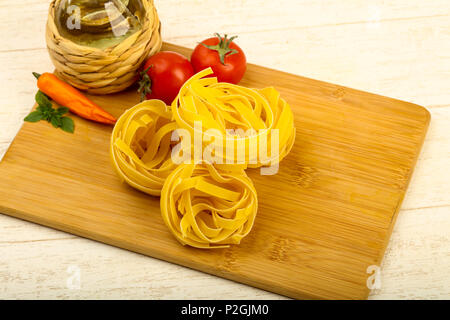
x=204 y=204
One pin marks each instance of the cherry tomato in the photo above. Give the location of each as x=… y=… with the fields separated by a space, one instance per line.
x=163 y=75
x=226 y=58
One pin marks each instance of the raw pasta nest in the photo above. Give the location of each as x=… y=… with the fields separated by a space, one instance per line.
x=207 y=208
x=252 y=114
x=141 y=147
x=207 y=204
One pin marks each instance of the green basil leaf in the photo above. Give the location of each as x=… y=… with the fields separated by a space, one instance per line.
x=62 y=110
x=34 y=116
x=47 y=115
x=42 y=100
x=56 y=122
x=67 y=124
x=43 y=110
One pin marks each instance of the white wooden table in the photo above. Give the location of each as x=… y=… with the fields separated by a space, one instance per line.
x=398 y=48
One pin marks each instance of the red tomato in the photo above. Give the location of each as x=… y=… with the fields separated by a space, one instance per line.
x=225 y=58
x=164 y=74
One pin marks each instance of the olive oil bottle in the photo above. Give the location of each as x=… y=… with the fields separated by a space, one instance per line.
x=98 y=23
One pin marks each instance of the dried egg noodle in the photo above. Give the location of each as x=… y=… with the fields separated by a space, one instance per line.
x=204 y=205
x=140 y=146
x=206 y=208
x=224 y=106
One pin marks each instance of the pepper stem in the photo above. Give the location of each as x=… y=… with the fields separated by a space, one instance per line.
x=223 y=48
x=36 y=75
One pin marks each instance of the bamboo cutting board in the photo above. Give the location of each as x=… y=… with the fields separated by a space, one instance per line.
x=322 y=221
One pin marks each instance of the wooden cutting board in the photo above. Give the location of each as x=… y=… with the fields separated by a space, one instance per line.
x=322 y=221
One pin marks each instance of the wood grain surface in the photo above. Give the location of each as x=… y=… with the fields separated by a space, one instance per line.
x=398 y=48
x=323 y=219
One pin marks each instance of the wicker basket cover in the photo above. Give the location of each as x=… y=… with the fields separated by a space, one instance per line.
x=103 y=71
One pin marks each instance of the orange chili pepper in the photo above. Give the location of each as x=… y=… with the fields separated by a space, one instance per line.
x=67 y=96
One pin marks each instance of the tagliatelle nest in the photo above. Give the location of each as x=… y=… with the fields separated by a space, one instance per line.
x=258 y=117
x=140 y=146
x=207 y=208
x=103 y=71
x=204 y=204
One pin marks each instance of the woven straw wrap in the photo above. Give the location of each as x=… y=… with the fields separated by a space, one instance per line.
x=103 y=71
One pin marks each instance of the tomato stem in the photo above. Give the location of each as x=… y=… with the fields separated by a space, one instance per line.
x=145 y=84
x=223 y=48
